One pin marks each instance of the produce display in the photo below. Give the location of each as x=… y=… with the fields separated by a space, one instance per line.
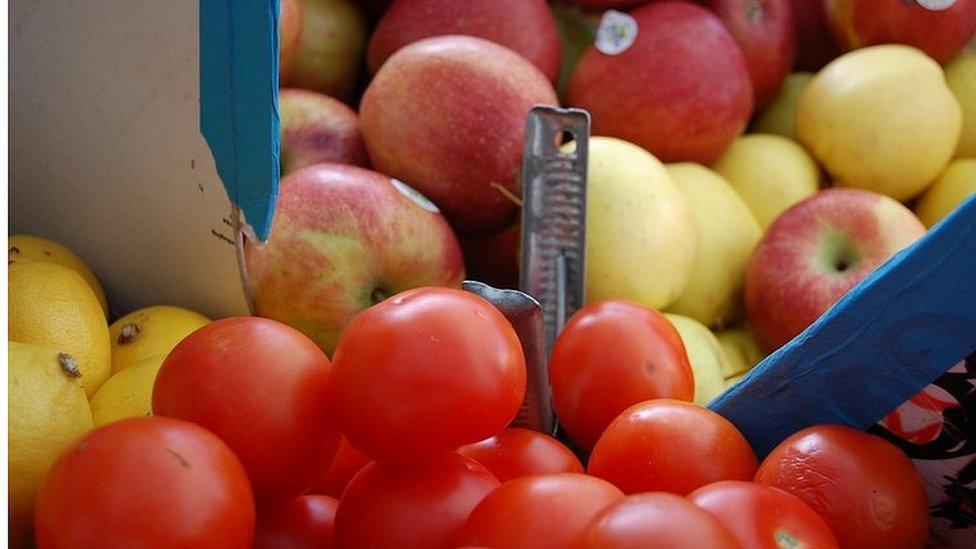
x=751 y=161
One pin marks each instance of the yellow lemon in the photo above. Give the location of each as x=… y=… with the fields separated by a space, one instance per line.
x=954 y=186
x=33 y=248
x=150 y=332
x=127 y=393
x=51 y=305
x=48 y=410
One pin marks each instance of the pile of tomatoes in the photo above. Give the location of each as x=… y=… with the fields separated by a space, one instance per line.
x=403 y=440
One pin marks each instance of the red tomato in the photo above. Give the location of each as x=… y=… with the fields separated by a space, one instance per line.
x=421 y=505
x=146 y=482
x=864 y=487
x=305 y=521
x=670 y=446
x=347 y=462
x=763 y=517
x=262 y=387
x=537 y=512
x=655 y=520
x=610 y=356
x=424 y=372
x=518 y=452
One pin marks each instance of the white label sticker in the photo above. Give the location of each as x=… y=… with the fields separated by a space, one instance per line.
x=415 y=196
x=936 y=5
x=616 y=33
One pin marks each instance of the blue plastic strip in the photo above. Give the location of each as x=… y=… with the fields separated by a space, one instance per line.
x=883 y=342
x=239 y=102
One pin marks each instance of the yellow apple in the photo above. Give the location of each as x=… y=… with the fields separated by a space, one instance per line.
x=880 y=118
x=705 y=354
x=641 y=238
x=779 y=115
x=951 y=188
x=770 y=172
x=734 y=380
x=742 y=352
x=961 y=77
x=727 y=233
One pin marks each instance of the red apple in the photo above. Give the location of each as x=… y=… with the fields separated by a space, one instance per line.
x=681 y=90
x=524 y=26
x=343 y=239
x=765 y=31
x=289 y=35
x=446 y=115
x=494 y=259
x=607 y=4
x=316 y=128
x=815 y=44
x=940 y=28
x=815 y=252
x=330 y=52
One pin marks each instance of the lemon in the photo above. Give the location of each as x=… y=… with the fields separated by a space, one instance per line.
x=150 y=332
x=33 y=248
x=127 y=393
x=48 y=410
x=51 y=305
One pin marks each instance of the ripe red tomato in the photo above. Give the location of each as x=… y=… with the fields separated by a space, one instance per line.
x=610 y=356
x=670 y=446
x=262 y=387
x=424 y=372
x=518 y=452
x=304 y=522
x=762 y=516
x=147 y=482
x=655 y=520
x=347 y=462
x=864 y=487
x=537 y=511
x=421 y=505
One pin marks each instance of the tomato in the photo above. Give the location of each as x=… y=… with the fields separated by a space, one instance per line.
x=518 y=452
x=655 y=520
x=262 y=387
x=146 y=482
x=864 y=487
x=610 y=356
x=670 y=446
x=426 y=371
x=421 y=505
x=537 y=511
x=764 y=517
x=306 y=521
x=347 y=462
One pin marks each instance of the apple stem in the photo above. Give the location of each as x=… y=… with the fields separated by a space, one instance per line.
x=507 y=194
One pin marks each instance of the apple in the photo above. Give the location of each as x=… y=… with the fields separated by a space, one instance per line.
x=599 y=5
x=771 y=173
x=815 y=44
x=779 y=116
x=961 y=77
x=526 y=27
x=742 y=352
x=494 y=259
x=817 y=251
x=940 y=28
x=330 y=53
x=764 y=29
x=705 y=354
x=880 y=118
x=289 y=35
x=641 y=237
x=447 y=116
x=950 y=189
x=681 y=90
x=343 y=239
x=316 y=128
x=727 y=234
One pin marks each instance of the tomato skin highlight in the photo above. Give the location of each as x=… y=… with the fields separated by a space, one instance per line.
x=415 y=506
x=670 y=446
x=304 y=522
x=146 y=482
x=436 y=368
x=347 y=462
x=611 y=355
x=519 y=452
x=764 y=517
x=865 y=488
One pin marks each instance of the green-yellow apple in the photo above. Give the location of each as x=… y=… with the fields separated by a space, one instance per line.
x=815 y=252
x=705 y=353
x=316 y=128
x=951 y=188
x=742 y=352
x=343 y=239
x=727 y=234
x=641 y=237
x=880 y=118
x=330 y=52
x=779 y=116
x=770 y=172
x=961 y=77
x=289 y=35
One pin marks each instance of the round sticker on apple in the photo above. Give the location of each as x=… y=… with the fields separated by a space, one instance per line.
x=936 y=5
x=616 y=33
x=415 y=196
